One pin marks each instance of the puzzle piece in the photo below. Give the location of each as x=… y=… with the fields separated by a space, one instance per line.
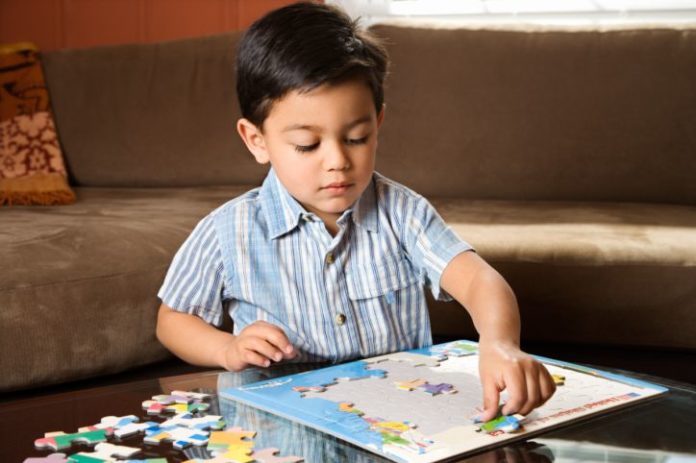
x=187 y=420
x=192 y=395
x=409 y=385
x=180 y=437
x=120 y=426
x=506 y=423
x=558 y=380
x=435 y=389
x=221 y=441
x=52 y=458
x=154 y=407
x=104 y=453
x=60 y=440
x=269 y=456
x=178 y=402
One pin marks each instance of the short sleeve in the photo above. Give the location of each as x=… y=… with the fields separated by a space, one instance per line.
x=195 y=282
x=430 y=243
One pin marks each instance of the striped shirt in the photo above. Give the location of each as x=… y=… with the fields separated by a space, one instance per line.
x=360 y=293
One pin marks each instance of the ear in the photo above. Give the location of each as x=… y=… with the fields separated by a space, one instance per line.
x=380 y=115
x=253 y=139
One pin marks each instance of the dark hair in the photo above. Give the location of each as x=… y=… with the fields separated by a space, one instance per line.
x=301 y=47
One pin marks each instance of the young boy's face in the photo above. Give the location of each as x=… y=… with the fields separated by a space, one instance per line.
x=321 y=144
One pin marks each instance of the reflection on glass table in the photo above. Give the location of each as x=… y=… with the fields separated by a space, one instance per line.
x=656 y=431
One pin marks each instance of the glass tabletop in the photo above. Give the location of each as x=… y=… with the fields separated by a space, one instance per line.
x=658 y=430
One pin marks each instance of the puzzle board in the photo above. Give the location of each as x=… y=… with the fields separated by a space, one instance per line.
x=361 y=401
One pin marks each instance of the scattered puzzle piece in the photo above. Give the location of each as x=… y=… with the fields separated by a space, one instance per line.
x=559 y=380
x=178 y=402
x=60 y=440
x=268 y=456
x=192 y=395
x=187 y=420
x=221 y=441
x=52 y=458
x=104 y=453
x=154 y=407
x=180 y=437
x=120 y=426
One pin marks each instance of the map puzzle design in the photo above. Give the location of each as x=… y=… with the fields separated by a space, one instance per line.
x=367 y=403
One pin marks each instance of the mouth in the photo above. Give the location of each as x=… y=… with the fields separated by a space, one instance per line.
x=337 y=186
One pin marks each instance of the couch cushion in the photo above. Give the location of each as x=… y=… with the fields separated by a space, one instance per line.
x=81 y=296
x=606 y=273
x=159 y=114
x=541 y=114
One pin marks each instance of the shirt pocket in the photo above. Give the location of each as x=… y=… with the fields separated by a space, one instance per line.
x=383 y=278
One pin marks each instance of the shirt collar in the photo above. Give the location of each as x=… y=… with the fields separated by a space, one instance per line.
x=282 y=211
x=365 y=208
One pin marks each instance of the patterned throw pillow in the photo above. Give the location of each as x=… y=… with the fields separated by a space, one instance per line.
x=31 y=164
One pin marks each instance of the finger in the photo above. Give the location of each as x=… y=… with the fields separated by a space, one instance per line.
x=491 y=400
x=276 y=337
x=546 y=384
x=533 y=392
x=516 y=386
x=261 y=346
x=251 y=357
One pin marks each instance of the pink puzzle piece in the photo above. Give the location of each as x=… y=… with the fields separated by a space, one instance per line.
x=60 y=440
x=52 y=458
x=269 y=456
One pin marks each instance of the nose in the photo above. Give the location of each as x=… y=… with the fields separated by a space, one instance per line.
x=336 y=157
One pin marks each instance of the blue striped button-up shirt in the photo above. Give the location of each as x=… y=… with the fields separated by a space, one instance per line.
x=360 y=293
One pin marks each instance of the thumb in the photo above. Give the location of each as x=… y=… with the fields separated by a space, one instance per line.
x=491 y=398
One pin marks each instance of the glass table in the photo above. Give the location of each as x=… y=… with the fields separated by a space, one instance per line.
x=659 y=430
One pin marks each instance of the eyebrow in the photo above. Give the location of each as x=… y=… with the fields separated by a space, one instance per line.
x=316 y=128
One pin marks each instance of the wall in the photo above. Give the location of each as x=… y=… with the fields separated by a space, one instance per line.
x=54 y=24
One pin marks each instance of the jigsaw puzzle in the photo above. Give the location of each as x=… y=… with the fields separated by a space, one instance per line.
x=377 y=403
x=59 y=440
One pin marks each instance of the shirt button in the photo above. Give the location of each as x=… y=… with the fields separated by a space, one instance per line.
x=340 y=319
x=329 y=258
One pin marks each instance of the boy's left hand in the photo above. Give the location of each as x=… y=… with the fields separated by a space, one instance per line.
x=502 y=365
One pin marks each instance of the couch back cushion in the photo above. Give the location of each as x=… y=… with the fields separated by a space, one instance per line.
x=525 y=114
x=158 y=114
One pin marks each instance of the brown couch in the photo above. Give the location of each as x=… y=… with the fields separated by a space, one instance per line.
x=567 y=157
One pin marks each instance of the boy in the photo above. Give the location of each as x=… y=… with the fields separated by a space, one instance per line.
x=327 y=259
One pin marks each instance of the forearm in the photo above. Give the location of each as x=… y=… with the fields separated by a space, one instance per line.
x=487 y=297
x=192 y=339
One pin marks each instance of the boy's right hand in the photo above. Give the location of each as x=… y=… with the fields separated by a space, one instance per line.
x=259 y=344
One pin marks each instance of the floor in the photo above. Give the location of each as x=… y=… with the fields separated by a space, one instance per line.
x=674 y=365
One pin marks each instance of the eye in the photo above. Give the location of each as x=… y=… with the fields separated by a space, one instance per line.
x=306 y=148
x=357 y=141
